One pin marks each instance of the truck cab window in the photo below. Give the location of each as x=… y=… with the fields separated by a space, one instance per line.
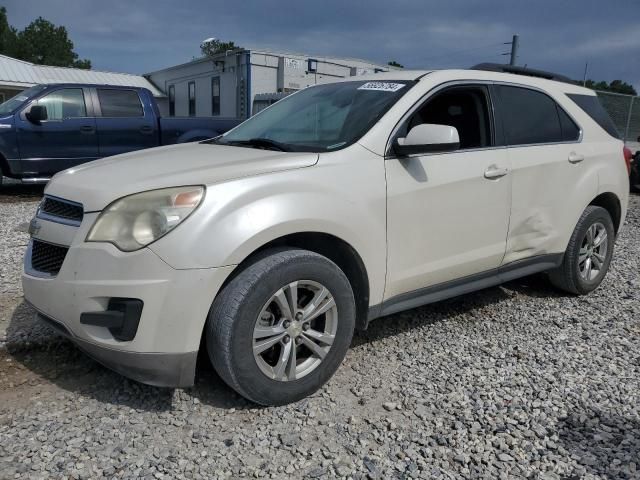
x=64 y=103
x=119 y=103
x=465 y=108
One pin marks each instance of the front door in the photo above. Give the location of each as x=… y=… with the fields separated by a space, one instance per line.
x=448 y=212
x=65 y=139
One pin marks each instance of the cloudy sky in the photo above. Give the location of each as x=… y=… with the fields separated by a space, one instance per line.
x=140 y=36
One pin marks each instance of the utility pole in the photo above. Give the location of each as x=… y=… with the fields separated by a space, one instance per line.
x=584 y=77
x=515 y=43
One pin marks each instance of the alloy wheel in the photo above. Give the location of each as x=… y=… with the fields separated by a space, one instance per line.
x=295 y=330
x=593 y=252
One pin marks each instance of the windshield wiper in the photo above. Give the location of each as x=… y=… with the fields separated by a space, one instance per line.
x=265 y=143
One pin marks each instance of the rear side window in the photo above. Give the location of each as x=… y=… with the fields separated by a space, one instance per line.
x=592 y=107
x=529 y=116
x=570 y=131
x=119 y=103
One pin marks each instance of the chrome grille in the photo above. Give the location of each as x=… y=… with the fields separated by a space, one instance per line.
x=63 y=209
x=46 y=257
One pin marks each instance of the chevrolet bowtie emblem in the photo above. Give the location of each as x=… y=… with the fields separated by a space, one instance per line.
x=34 y=227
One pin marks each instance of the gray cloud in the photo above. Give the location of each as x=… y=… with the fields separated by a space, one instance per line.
x=145 y=35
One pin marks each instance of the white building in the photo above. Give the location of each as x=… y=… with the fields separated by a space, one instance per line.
x=242 y=81
x=18 y=75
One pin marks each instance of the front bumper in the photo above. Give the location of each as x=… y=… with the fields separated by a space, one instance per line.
x=157 y=369
x=176 y=304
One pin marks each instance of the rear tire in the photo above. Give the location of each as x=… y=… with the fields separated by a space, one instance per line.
x=588 y=255
x=274 y=299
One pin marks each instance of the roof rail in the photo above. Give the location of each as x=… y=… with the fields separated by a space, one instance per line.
x=530 y=72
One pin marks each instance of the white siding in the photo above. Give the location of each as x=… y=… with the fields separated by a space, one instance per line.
x=271 y=72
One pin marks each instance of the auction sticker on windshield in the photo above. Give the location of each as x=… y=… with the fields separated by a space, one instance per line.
x=381 y=86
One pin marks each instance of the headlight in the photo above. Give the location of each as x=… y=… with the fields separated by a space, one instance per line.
x=133 y=222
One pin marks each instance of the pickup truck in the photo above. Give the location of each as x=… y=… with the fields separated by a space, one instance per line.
x=49 y=128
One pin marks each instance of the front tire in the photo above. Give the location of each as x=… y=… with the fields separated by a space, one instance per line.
x=588 y=255
x=281 y=327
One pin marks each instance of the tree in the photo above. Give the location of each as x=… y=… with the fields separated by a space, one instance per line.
x=616 y=86
x=41 y=42
x=215 y=46
x=8 y=35
x=393 y=63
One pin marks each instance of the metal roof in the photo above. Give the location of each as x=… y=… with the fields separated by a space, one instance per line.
x=266 y=51
x=18 y=73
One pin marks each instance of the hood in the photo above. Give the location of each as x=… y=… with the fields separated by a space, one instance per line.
x=97 y=184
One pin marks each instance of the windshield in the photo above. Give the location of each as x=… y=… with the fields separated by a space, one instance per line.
x=319 y=118
x=15 y=102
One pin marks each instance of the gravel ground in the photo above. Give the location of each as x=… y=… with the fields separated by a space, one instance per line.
x=509 y=382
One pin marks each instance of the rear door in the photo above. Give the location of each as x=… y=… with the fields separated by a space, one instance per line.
x=67 y=138
x=548 y=171
x=125 y=123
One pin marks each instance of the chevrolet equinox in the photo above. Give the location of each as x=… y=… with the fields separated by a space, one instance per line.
x=347 y=201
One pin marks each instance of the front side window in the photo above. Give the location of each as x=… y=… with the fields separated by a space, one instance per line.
x=529 y=116
x=215 y=96
x=320 y=118
x=120 y=103
x=20 y=99
x=172 y=100
x=465 y=108
x=64 y=103
x=192 y=99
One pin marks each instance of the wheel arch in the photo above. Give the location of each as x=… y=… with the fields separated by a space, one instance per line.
x=196 y=135
x=4 y=166
x=339 y=251
x=611 y=203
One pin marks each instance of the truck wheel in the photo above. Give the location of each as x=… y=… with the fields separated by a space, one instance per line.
x=281 y=327
x=588 y=254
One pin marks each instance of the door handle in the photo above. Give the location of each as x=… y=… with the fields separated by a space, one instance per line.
x=146 y=130
x=87 y=129
x=494 y=172
x=575 y=158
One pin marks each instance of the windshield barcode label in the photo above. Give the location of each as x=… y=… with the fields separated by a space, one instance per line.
x=381 y=86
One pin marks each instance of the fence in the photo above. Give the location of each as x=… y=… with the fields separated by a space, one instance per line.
x=625 y=113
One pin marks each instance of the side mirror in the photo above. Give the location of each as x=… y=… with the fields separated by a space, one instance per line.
x=37 y=114
x=426 y=138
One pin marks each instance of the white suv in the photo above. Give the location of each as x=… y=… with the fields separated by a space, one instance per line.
x=339 y=204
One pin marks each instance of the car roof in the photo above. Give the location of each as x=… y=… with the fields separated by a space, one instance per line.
x=470 y=74
x=90 y=85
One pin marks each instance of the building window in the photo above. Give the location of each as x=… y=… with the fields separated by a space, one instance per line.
x=192 y=99
x=215 y=96
x=172 y=100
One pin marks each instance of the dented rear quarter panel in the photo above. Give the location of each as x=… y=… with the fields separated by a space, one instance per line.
x=548 y=196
